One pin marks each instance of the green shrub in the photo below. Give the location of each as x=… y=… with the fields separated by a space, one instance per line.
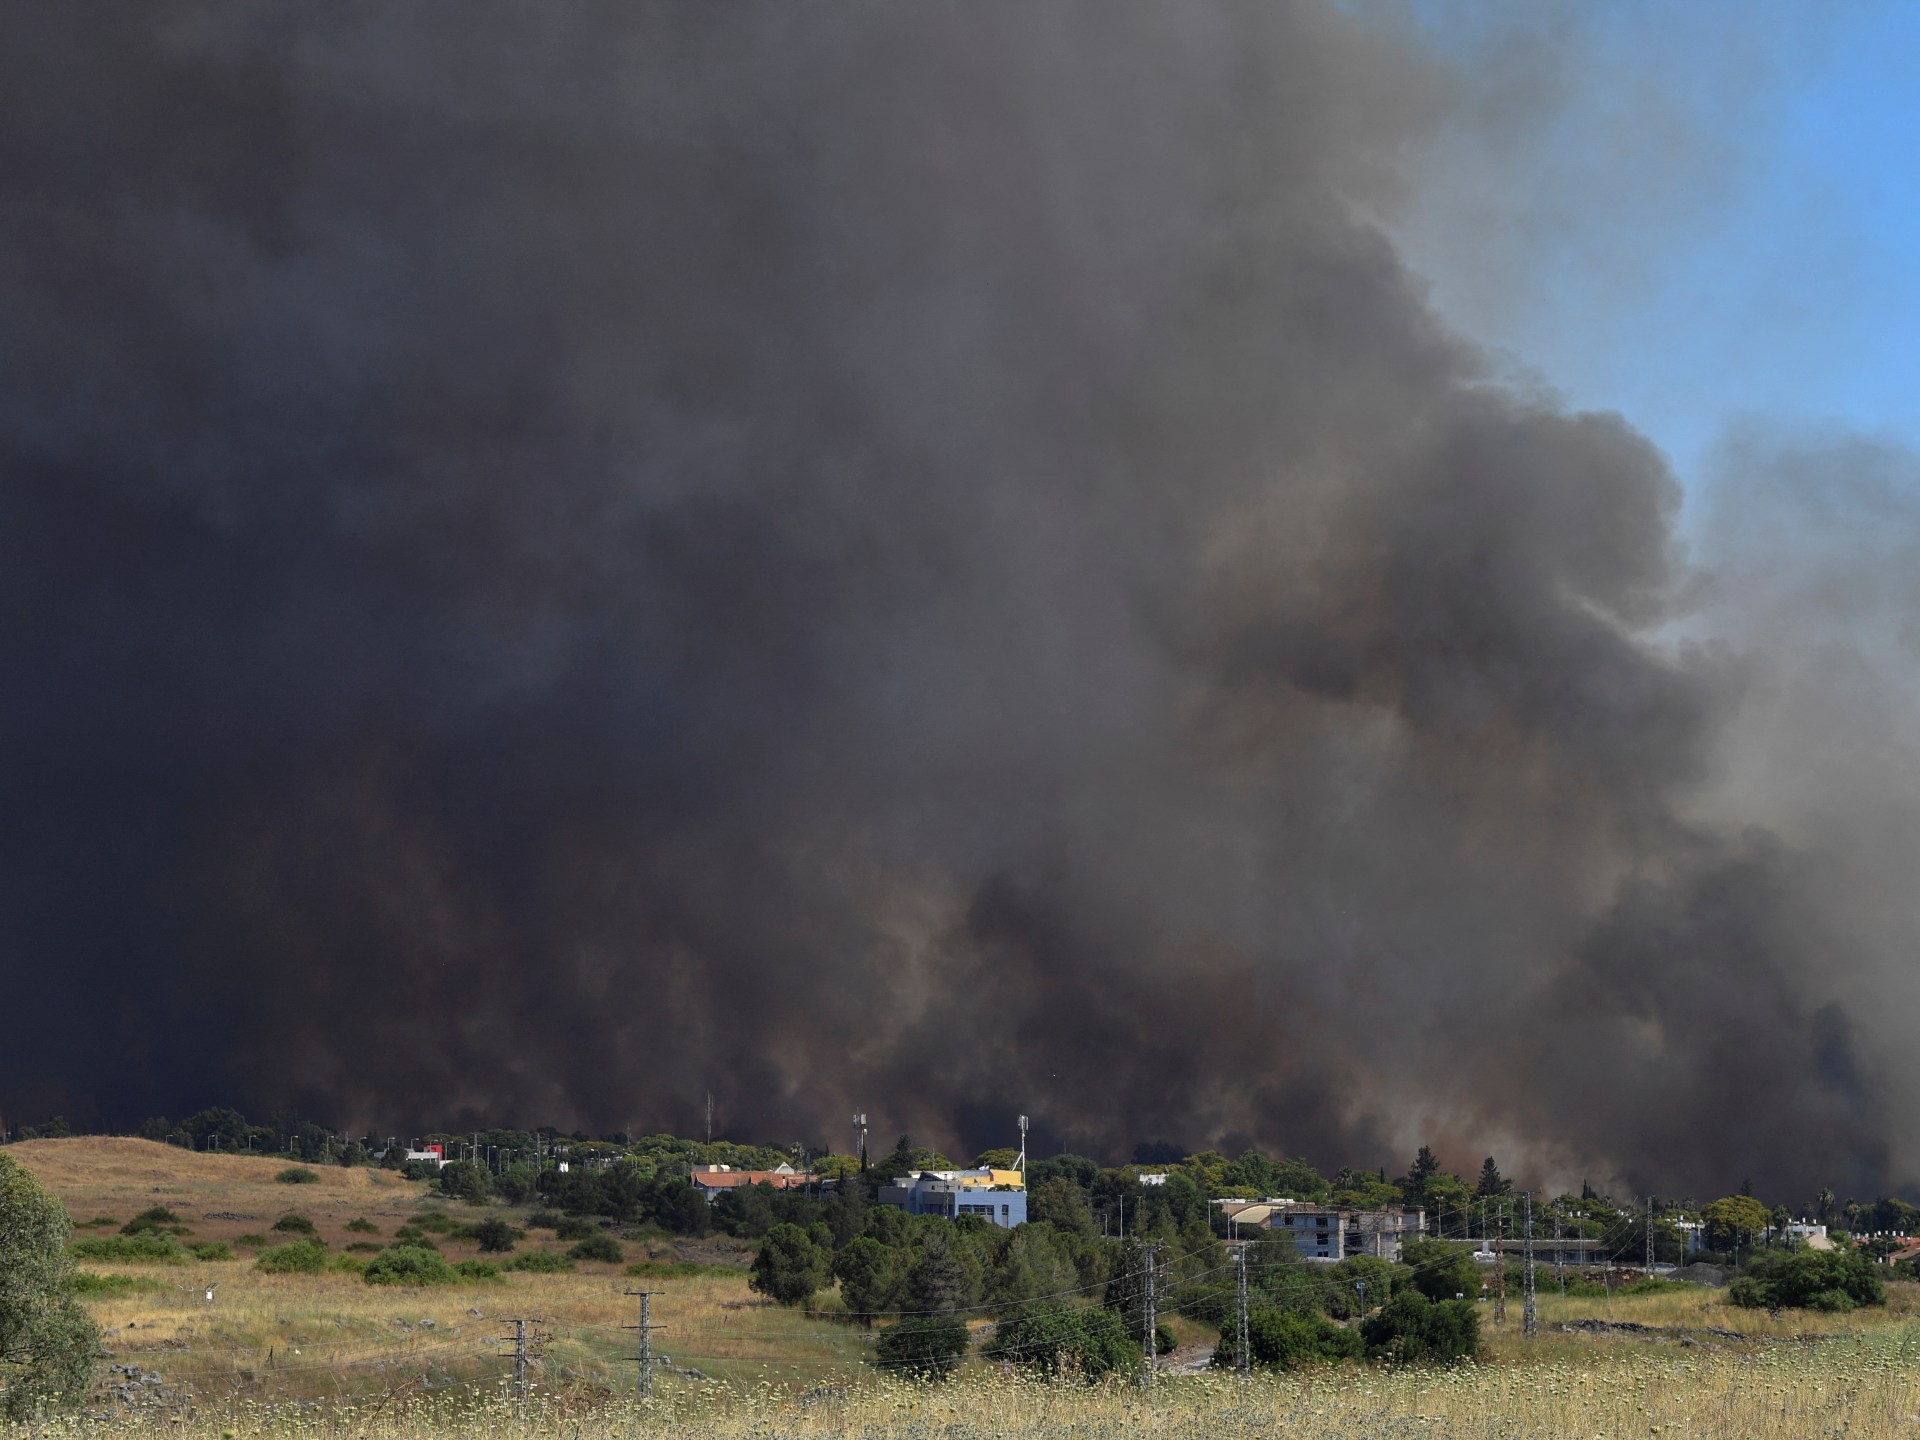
x=156 y=1218
x=477 y=1270
x=570 y=1228
x=927 y=1347
x=435 y=1222
x=291 y=1224
x=540 y=1262
x=548 y=1220
x=601 y=1247
x=252 y=1240
x=1831 y=1280
x=1411 y=1329
x=296 y=1257
x=409 y=1265
x=493 y=1235
x=99 y=1222
x=211 y=1250
x=297 y=1175
x=150 y=1246
x=86 y=1283
x=1441 y=1269
x=351 y=1264
x=1288 y=1339
x=363 y=1226
x=1052 y=1338
x=364 y=1247
x=403 y=1238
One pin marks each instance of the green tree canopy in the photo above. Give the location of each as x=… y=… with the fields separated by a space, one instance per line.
x=940 y=1279
x=47 y=1342
x=1734 y=1220
x=791 y=1265
x=1442 y=1271
x=869 y=1273
x=1425 y=1166
x=1810 y=1279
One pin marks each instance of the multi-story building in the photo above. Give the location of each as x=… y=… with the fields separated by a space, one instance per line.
x=998 y=1196
x=1322 y=1232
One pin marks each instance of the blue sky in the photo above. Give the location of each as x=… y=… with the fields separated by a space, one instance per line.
x=1698 y=214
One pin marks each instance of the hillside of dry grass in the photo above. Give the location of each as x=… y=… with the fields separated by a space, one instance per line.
x=414 y=1363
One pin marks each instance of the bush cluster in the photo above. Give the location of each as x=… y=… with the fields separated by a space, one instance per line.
x=297 y=1257
x=409 y=1265
x=1831 y=1280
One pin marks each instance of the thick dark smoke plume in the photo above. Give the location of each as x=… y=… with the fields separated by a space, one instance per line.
x=916 y=558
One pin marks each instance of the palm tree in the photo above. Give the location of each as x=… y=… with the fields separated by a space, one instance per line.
x=1824 y=1200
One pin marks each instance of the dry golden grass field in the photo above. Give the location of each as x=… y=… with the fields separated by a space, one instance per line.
x=328 y=1355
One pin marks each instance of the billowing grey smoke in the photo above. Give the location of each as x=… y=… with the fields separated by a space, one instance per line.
x=925 y=559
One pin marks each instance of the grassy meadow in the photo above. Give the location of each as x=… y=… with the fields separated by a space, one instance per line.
x=327 y=1354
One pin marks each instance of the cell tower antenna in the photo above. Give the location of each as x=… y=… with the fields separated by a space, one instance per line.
x=1021 y=1164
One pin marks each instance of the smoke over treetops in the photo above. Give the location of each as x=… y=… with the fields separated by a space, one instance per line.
x=931 y=560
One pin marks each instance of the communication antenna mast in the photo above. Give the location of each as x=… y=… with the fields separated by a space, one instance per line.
x=1021 y=1164
x=860 y=1138
x=709 y=1117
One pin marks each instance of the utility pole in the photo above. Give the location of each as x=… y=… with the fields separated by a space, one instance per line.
x=1649 y=1235
x=860 y=1139
x=1242 y=1358
x=1022 y=1166
x=1529 y=1320
x=1559 y=1253
x=709 y=1117
x=1500 y=1269
x=1152 y=1323
x=520 y=1360
x=646 y=1327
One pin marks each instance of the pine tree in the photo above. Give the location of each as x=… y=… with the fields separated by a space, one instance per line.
x=1425 y=1166
x=1492 y=1182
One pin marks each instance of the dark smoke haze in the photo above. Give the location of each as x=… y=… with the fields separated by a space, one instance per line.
x=916 y=558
